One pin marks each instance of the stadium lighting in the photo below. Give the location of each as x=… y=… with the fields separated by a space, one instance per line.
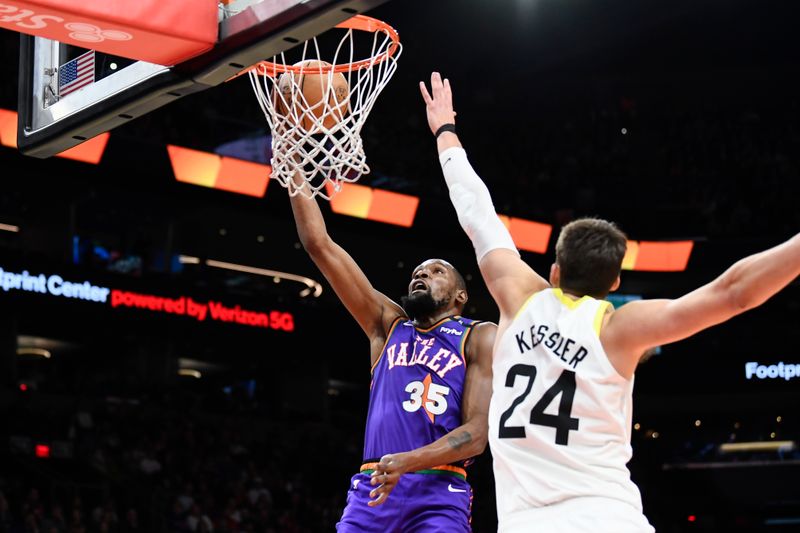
x=188 y=260
x=9 y=227
x=312 y=287
x=758 y=446
x=38 y=352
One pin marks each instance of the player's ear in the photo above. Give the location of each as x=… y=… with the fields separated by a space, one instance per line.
x=555 y=275
x=615 y=286
x=461 y=296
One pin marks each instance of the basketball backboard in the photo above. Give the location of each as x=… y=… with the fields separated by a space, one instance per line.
x=55 y=115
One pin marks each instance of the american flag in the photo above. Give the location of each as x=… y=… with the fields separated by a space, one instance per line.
x=75 y=74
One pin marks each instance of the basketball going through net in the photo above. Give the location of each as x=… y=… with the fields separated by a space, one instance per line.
x=316 y=108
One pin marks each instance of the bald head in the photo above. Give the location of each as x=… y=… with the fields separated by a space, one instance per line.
x=435 y=285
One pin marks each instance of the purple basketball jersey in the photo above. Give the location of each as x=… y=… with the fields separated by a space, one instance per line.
x=417 y=386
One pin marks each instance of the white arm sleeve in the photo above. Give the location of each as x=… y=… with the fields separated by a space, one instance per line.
x=473 y=204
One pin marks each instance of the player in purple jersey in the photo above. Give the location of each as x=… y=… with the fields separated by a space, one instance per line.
x=429 y=395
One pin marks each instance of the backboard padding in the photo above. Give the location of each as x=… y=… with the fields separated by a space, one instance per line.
x=260 y=31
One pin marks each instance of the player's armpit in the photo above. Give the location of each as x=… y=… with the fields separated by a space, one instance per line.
x=638 y=326
x=373 y=310
x=510 y=280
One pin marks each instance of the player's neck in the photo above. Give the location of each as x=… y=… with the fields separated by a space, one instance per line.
x=573 y=295
x=425 y=322
x=577 y=295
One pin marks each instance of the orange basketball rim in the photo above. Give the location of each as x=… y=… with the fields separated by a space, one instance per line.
x=357 y=22
x=311 y=133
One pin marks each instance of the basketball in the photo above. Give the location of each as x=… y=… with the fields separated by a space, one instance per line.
x=316 y=96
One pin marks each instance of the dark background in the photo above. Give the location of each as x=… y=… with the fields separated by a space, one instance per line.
x=707 y=93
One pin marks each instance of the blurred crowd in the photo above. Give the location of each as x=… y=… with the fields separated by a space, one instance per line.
x=159 y=468
x=165 y=465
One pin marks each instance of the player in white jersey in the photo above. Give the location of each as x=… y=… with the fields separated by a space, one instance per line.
x=564 y=361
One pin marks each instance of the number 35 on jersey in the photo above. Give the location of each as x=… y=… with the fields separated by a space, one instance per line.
x=426 y=395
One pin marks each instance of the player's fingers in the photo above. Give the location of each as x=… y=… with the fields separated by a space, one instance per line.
x=379 y=477
x=436 y=84
x=381 y=493
x=378 y=492
x=377 y=501
x=426 y=97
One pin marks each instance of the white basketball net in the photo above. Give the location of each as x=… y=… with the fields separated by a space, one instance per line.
x=307 y=156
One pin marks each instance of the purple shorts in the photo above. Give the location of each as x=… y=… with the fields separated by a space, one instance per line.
x=429 y=503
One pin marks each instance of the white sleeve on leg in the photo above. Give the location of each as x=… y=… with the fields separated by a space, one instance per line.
x=473 y=204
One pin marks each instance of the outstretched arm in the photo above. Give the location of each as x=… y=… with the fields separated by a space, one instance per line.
x=509 y=279
x=750 y=282
x=465 y=441
x=373 y=311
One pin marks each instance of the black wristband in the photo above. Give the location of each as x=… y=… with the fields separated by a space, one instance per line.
x=445 y=127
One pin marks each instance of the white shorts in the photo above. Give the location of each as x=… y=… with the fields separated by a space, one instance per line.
x=578 y=515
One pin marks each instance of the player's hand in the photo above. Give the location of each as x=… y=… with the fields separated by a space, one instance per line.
x=386 y=476
x=439 y=107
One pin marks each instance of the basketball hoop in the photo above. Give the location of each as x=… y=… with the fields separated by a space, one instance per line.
x=316 y=107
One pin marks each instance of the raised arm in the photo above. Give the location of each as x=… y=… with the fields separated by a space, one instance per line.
x=465 y=441
x=750 y=282
x=373 y=311
x=509 y=279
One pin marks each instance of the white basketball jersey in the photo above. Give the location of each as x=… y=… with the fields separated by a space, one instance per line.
x=560 y=414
